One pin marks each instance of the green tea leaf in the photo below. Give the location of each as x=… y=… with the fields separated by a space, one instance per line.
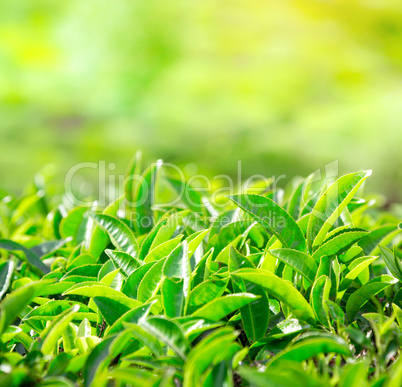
x=355 y=269
x=173 y=297
x=339 y=243
x=331 y=204
x=97 y=361
x=123 y=261
x=163 y=250
x=205 y=292
x=319 y=297
x=51 y=334
x=134 y=315
x=312 y=347
x=6 y=271
x=255 y=315
x=392 y=262
x=207 y=352
x=177 y=265
x=195 y=240
x=218 y=308
x=133 y=377
x=131 y=179
x=53 y=308
x=97 y=290
x=80 y=260
x=85 y=271
x=301 y=262
x=357 y=300
x=149 y=238
x=370 y=242
x=168 y=332
x=99 y=239
x=151 y=281
x=73 y=225
x=111 y=309
x=31 y=257
x=274 y=218
x=120 y=235
x=145 y=338
x=168 y=228
x=15 y=302
x=145 y=198
x=295 y=203
x=46 y=249
x=133 y=282
x=280 y=289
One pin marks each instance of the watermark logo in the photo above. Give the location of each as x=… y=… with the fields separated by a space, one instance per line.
x=166 y=186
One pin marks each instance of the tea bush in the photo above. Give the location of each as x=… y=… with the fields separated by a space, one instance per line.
x=294 y=288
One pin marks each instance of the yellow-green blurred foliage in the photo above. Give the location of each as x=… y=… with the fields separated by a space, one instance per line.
x=285 y=86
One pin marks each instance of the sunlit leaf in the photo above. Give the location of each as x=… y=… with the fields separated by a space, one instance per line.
x=274 y=218
x=280 y=289
x=120 y=235
x=331 y=204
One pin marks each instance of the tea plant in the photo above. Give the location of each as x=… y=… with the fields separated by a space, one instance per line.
x=294 y=289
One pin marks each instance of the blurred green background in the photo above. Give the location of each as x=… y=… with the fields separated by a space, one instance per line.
x=284 y=86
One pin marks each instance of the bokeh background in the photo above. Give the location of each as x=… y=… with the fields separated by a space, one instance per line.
x=285 y=86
